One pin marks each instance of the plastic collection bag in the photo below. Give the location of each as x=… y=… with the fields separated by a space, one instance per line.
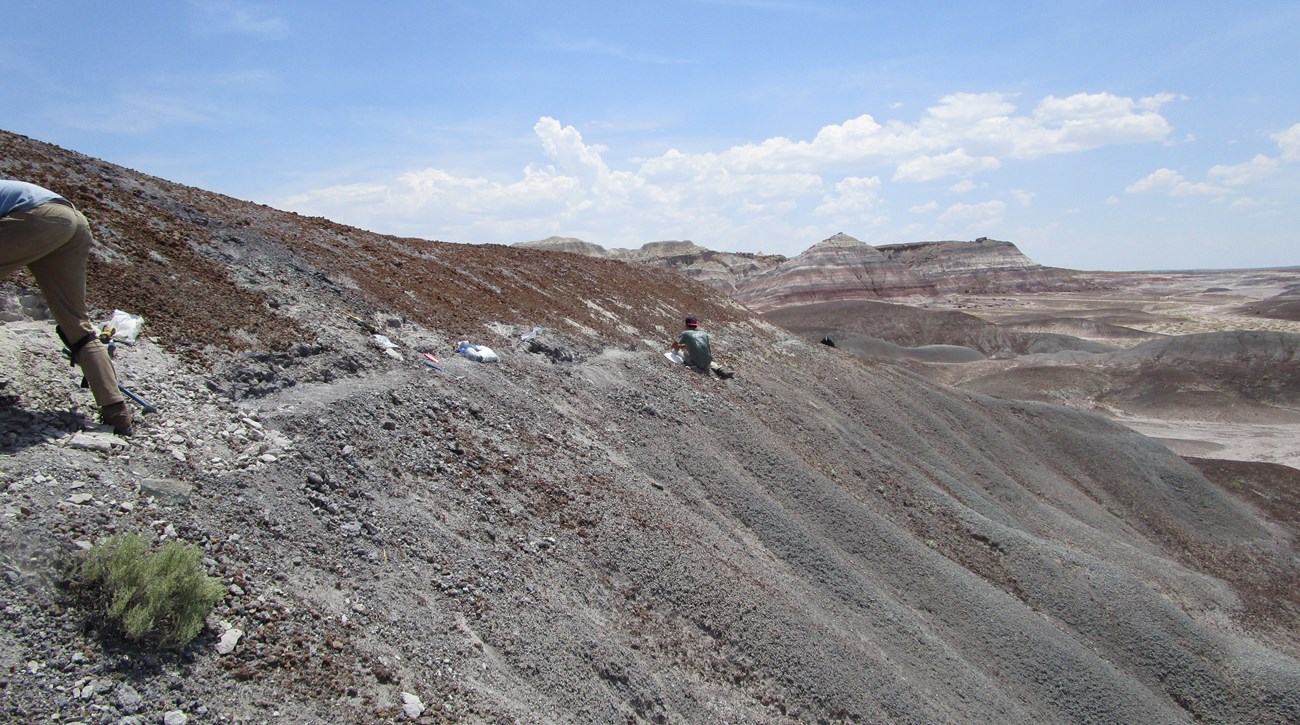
x=387 y=345
x=478 y=353
x=126 y=326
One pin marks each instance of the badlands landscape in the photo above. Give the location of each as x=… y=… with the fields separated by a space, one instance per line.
x=1183 y=357
x=965 y=511
x=1205 y=361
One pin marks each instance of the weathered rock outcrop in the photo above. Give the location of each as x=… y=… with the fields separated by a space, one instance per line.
x=567 y=244
x=838 y=268
x=984 y=265
x=722 y=270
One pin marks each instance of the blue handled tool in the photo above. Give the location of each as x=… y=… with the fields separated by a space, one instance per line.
x=144 y=404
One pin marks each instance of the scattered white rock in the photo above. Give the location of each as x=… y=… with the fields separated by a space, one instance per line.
x=97 y=441
x=411 y=705
x=80 y=498
x=229 y=640
x=175 y=717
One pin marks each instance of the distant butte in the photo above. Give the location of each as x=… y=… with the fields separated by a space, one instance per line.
x=841 y=268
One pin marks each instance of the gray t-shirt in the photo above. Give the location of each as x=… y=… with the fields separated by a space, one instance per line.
x=698 y=353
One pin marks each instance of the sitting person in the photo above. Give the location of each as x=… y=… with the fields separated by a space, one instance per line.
x=693 y=345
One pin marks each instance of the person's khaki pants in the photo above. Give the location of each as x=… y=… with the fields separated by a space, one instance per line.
x=53 y=241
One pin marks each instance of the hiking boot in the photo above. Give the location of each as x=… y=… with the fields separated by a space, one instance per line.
x=117 y=415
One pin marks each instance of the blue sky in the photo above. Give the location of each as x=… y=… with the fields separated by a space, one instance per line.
x=1094 y=135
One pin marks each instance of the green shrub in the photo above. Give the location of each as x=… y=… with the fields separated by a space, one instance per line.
x=159 y=594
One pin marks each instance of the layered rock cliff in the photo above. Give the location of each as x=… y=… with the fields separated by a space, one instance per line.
x=984 y=265
x=838 y=268
x=721 y=270
x=567 y=244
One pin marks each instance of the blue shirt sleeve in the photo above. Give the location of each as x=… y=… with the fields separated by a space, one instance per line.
x=20 y=196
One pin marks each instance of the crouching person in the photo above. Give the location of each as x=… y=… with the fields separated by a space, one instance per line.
x=42 y=231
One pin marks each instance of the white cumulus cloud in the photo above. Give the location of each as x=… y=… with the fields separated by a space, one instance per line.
x=953 y=163
x=987 y=124
x=1168 y=181
x=746 y=192
x=1289 y=142
x=1224 y=179
x=1257 y=168
x=853 y=197
x=564 y=146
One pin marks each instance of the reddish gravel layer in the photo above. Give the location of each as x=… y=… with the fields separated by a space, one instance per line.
x=183 y=255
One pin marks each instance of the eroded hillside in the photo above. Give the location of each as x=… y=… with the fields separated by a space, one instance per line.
x=585 y=532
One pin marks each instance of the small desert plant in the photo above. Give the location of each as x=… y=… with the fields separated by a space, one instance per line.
x=158 y=594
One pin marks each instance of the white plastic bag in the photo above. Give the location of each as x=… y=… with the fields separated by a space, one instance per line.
x=387 y=346
x=126 y=326
x=478 y=353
